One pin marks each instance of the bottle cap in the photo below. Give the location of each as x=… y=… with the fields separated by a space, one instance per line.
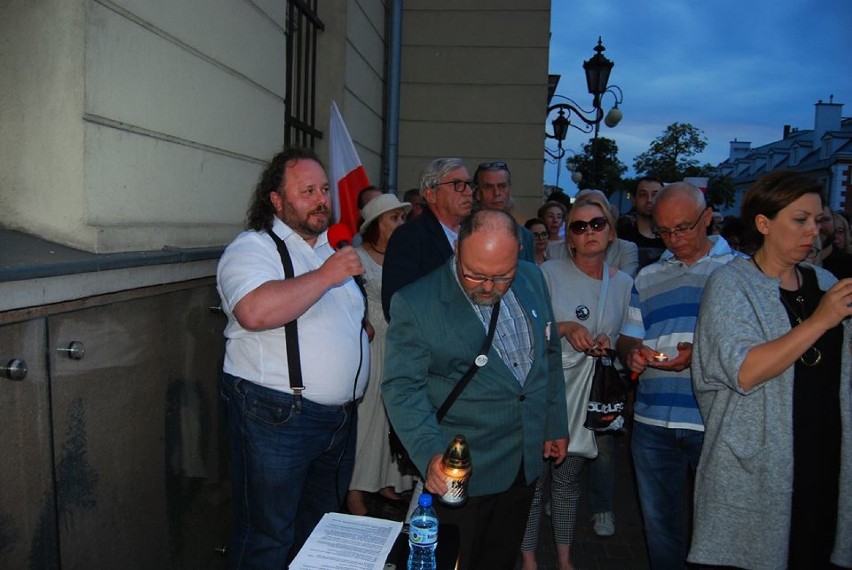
x=425 y=500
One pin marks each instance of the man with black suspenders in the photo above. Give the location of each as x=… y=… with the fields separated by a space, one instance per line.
x=296 y=359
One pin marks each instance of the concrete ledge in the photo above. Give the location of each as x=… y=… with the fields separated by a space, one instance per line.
x=36 y=272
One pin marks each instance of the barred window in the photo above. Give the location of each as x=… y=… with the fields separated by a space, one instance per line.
x=303 y=27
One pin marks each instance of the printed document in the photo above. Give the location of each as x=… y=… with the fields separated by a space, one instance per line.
x=348 y=542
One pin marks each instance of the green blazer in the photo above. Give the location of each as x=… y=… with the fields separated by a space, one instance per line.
x=433 y=337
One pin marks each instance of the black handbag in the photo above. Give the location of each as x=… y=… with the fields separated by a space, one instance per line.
x=398 y=452
x=607 y=395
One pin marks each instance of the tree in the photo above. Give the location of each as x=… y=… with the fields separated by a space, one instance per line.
x=606 y=174
x=670 y=156
x=720 y=191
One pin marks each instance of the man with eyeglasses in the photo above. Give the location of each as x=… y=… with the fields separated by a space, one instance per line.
x=512 y=412
x=494 y=190
x=655 y=343
x=421 y=245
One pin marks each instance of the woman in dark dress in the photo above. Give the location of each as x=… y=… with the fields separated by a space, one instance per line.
x=771 y=373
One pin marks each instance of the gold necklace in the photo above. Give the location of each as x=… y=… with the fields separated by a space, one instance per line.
x=812 y=356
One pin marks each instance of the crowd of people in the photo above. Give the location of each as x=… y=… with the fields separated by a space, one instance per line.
x=735 y=331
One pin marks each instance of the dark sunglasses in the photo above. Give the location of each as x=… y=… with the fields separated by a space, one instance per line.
x=579 y=227
x=493 y=165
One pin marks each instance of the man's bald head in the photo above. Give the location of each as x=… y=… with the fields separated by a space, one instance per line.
x=680 y=191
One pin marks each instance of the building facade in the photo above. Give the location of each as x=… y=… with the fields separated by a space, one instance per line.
x=823 y=152
x=133 y=133
x=132 y=125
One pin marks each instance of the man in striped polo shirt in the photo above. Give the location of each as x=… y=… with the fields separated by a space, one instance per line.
x=656 y=344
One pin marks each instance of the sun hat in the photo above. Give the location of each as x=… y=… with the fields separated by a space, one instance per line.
x=378 y=206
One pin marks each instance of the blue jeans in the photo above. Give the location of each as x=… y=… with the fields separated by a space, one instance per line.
x=600 y=473
x=663 y=459
x=289 y=465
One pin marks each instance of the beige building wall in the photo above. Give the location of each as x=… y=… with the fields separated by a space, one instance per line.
x=141 y=128
x=474 y=85
x=41 y=132
x=365 y=85
x=144 y=124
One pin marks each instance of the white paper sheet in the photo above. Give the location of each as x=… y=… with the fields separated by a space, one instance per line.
x=348 y=542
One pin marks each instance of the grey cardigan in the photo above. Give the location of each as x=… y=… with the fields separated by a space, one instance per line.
x=745 y=476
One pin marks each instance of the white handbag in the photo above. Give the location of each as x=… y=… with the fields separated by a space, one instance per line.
x=578 y=369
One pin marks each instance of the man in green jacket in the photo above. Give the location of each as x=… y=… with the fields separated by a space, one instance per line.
x=512 y=413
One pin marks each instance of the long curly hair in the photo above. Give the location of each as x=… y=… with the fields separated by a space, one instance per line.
x=261 y=211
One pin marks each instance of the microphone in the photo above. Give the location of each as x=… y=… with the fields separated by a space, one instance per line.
x=339 y=236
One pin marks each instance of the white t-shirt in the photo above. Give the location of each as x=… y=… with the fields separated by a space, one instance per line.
x=331 y=340
x=575 y=297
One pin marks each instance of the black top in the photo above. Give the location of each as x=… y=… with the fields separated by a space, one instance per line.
x=839 y=263
x=816 y=434
x=650 y=249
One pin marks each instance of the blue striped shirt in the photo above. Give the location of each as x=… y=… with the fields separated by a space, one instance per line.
x=663 y=311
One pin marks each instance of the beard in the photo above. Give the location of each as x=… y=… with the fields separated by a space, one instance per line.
x=485 y=298
x=308 y=225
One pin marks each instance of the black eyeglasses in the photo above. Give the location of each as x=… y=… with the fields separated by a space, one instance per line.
x=539 y=235
x=480 y=280
x=668 y=234
x=579 y=227
x=459 y=185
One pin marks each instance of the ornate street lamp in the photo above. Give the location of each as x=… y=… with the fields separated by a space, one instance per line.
x=597 y=69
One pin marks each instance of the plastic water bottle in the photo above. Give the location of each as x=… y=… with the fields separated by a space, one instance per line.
x=423 y=535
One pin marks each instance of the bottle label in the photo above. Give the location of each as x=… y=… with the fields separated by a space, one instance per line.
x=456 y=490
x=423 y=535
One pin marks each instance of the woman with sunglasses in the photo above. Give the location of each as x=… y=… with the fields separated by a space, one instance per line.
x=539 y=232
x=771 y=373
x=590 y=301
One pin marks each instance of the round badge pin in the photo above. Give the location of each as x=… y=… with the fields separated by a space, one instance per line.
x=481 y=360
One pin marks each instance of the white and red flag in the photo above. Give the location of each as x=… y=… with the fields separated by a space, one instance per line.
x=348 y=176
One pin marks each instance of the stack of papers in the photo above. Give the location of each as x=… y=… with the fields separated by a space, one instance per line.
x=348 y=542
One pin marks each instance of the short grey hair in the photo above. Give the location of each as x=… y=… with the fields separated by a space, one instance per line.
x=436 y=170
x=682 y=189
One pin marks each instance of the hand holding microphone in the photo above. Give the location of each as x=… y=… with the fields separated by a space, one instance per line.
x=345 y=262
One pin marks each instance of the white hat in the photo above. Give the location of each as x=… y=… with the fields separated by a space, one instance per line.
x=378 y=206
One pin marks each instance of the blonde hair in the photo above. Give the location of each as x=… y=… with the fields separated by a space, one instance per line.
x=590 y=199
x=842 y=226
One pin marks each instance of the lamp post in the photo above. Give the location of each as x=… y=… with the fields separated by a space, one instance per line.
x=597 y=69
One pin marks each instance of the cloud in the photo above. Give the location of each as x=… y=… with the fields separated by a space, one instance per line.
x=733 y=68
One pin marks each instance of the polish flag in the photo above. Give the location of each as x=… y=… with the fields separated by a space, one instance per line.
x=347 y=172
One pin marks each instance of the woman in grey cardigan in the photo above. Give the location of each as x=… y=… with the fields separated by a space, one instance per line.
x=771 y=373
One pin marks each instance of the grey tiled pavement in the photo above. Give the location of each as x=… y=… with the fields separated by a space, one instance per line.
x=626 y=549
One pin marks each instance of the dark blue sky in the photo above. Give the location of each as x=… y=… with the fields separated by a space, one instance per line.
x=734 y=69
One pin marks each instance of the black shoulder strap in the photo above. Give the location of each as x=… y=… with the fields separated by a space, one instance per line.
x=480 y=361
x=291 y=330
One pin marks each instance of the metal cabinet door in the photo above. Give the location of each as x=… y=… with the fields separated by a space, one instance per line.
x=27 y=510
x=132 y=424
